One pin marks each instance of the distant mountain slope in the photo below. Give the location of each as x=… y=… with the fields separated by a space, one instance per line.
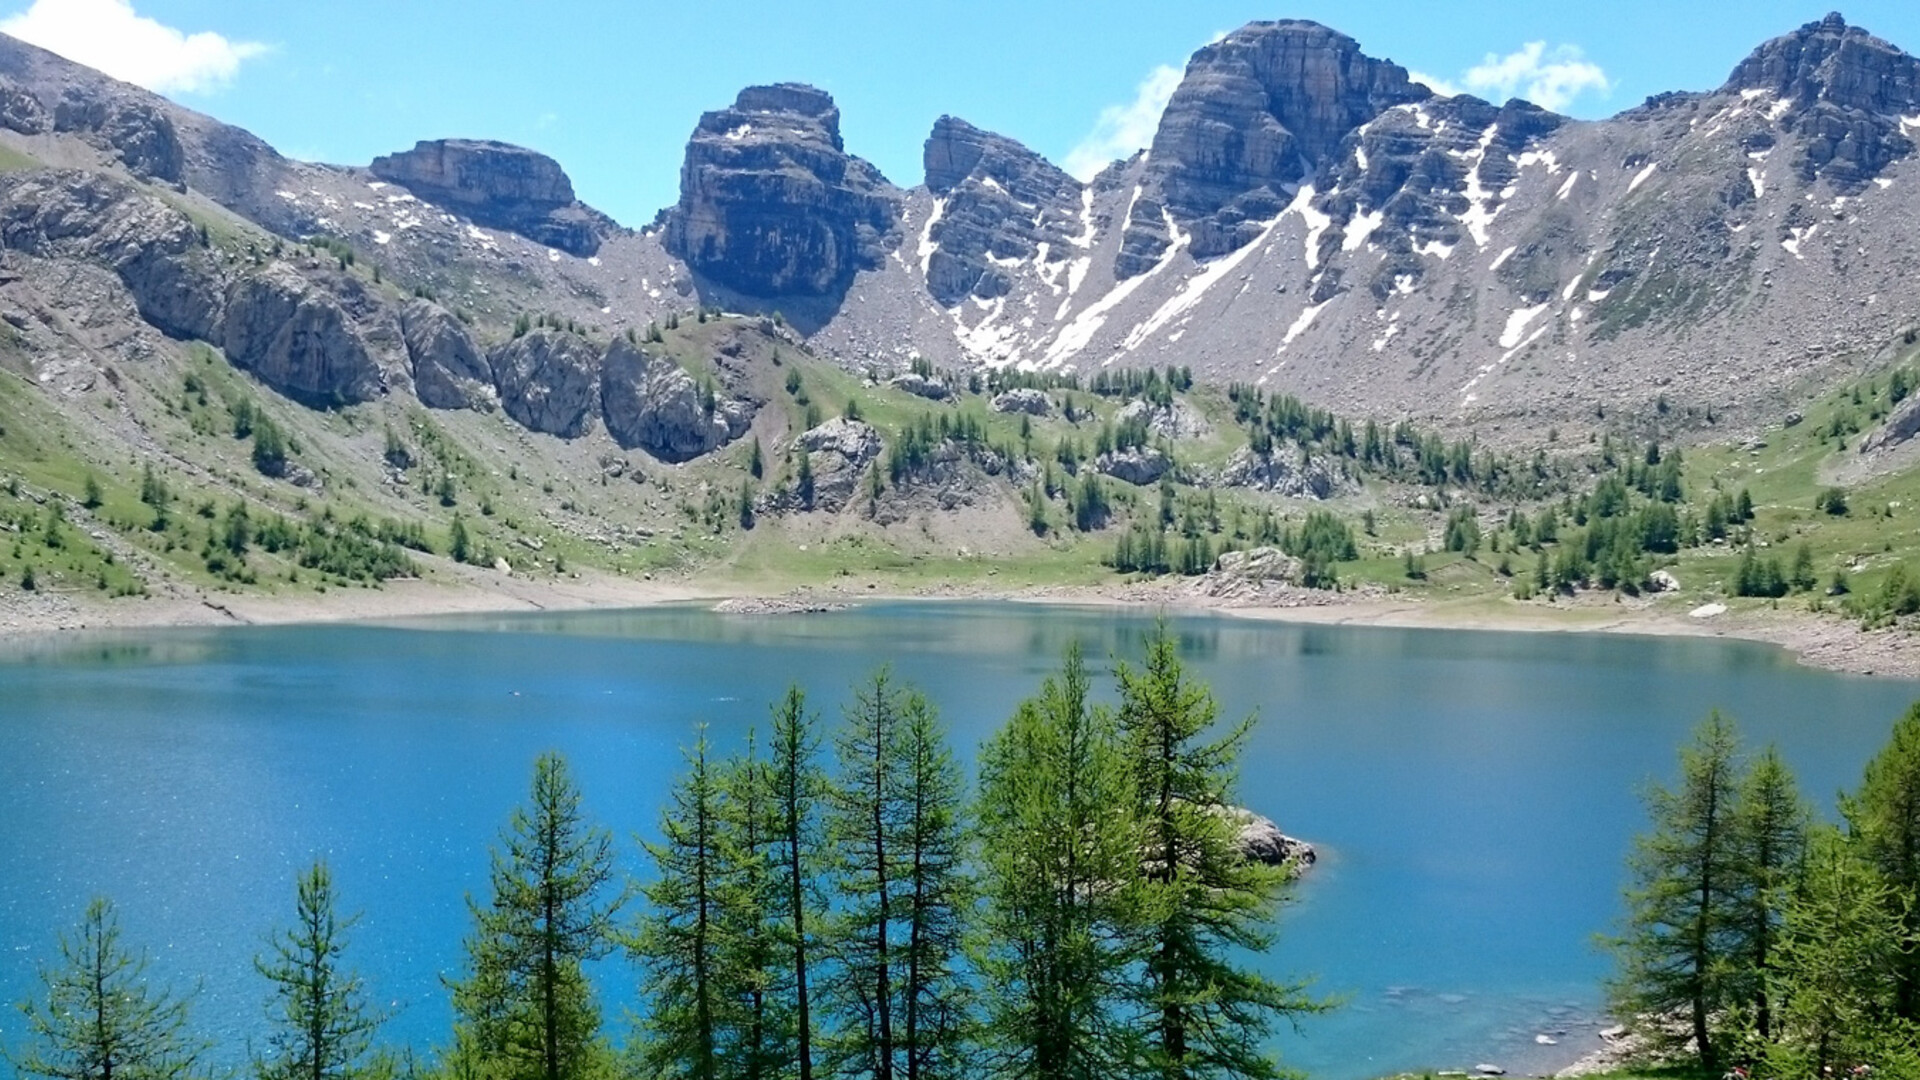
x=1307 y=219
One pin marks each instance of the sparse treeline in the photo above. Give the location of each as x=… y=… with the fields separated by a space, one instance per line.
x=1756 y=937
x=824 y=903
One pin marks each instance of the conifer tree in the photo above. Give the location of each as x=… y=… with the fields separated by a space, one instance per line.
x=757 y=1035
x=524 y=1004
x=896 y=991
x=1060 y=869
x=796 y=784
x=1834 y=980
x=934 y=991
x=863 y=826
x=679 y=941
x=1206 y=1015
x=1884 y=818
x=1682 y=907
x=102 y=1018
x=1770 y=826
x=323 y=1026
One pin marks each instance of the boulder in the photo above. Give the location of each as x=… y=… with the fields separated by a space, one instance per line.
x=1175 y=421
x=1140 y=465
x=653 y=404
x=549 y=381
x=840 y=452
x=1260 y=840
x=1023 y=400
x=1283 y=472
x=772 y=205
x=296 y=338
x=501 y=186
x=449 y=371
x=920 y=386
x=1260 y=564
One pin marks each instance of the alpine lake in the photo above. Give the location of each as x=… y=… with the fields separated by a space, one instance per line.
x=1473 y=795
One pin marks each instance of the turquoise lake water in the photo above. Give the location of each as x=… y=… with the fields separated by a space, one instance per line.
x=1473 y=793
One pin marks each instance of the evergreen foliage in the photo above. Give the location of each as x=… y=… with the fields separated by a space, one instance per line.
x=102 y=1018
x=323 y=1026
x=525 y=1010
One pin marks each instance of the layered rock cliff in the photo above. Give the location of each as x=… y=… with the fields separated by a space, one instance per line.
x=771 y=204
x=499 y=185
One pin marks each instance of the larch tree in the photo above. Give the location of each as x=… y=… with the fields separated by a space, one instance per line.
x=524 y=1004
x=1682 y=920
x=1835 y=974
x=322 y=1023
x=934 y=988
x=863 y=824
x=1884 y=819
x=1059 y=857
x=1207 y=1015
x=1770 y=827
x=757 y=1033
x=678 y=945
x=102 y=1018
x=796 y=783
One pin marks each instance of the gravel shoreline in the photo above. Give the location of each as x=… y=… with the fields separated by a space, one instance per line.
x=1827 y=642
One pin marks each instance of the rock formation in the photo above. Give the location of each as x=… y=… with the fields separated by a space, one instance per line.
x=1256 y=113
x=1001 y=202
x=1844 y=92
x=772 y=205
x=154 y=248
x=500 y=186
x=549 y=380
x=296 y=338
x=449 y=371
x=652 y=403
x=840 y=452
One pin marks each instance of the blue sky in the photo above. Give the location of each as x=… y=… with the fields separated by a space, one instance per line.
x=613 y=87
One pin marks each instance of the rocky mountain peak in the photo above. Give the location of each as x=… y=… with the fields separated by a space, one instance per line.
x=1829 y=61
x=771 y=204
x=1001 y=205
x=499 y=185
x=1257 y=113
x=1842 y=93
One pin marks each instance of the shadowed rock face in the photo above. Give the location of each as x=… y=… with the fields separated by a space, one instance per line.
x=1001 y=201
x=772 y=205
x=298 y=339
x=448 y=370
x=498 y=185
x=1258 y=111
x=1846 y=91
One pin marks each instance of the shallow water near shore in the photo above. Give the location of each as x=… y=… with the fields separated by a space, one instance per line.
x=1474 y=793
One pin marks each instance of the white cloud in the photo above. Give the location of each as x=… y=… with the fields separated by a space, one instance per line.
x=1437 y=85
x=1122 y=129
x=108 y=35
x=1551 y=78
